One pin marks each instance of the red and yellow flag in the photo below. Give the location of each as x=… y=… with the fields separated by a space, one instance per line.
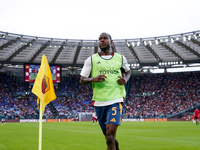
x=43 y=86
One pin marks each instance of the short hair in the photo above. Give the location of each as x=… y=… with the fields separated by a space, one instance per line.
x=107 y=34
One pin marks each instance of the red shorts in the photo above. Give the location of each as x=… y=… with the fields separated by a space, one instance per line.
x=196 y=117
x=94 y=118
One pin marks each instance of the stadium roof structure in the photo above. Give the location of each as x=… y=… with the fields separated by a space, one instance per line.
x=161 y=52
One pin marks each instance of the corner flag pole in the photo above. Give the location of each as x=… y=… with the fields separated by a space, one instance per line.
x=40 y=128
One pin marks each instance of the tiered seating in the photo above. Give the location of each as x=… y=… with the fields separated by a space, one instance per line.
x=27 y=53
x=49 y=52
x=184 y=53
x=87 y=50
x=73 y=52
x=164 y=54
x=192 y=45
x=144 y=54
x=122 y=48
x=67 y=54
x=8 y=51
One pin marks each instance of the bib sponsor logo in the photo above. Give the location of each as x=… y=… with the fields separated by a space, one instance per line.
x=108 y=72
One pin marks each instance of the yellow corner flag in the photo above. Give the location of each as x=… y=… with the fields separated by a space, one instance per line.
x=43 y=86
x=44 y=90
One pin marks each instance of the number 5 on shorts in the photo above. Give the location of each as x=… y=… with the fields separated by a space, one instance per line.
x=115 y=111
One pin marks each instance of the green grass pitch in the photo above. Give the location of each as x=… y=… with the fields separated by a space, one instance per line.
x=169 y=135
x=33 y=76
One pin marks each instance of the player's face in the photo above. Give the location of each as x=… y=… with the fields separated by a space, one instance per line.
x=104 y=42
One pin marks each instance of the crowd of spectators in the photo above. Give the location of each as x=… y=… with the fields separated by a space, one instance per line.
x=162 y=95
x=12 y=106
x=150 y=96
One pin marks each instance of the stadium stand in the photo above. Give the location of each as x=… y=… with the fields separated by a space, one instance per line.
x=151 y=95
x=165 y=95
x=176 y=49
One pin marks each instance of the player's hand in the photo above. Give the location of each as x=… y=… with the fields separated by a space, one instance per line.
x=99 y=78
x=121 y=80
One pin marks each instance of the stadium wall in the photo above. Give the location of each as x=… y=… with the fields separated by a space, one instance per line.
x=70 y=120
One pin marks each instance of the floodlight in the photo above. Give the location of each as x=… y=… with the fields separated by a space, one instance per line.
x=128 y=44
x=156 y=42
x=172 y=40
x=184 y=38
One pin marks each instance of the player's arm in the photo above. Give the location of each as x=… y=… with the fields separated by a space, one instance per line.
x=127 y=73
x=85 y=73
x=87 y=80
x=124 y=80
